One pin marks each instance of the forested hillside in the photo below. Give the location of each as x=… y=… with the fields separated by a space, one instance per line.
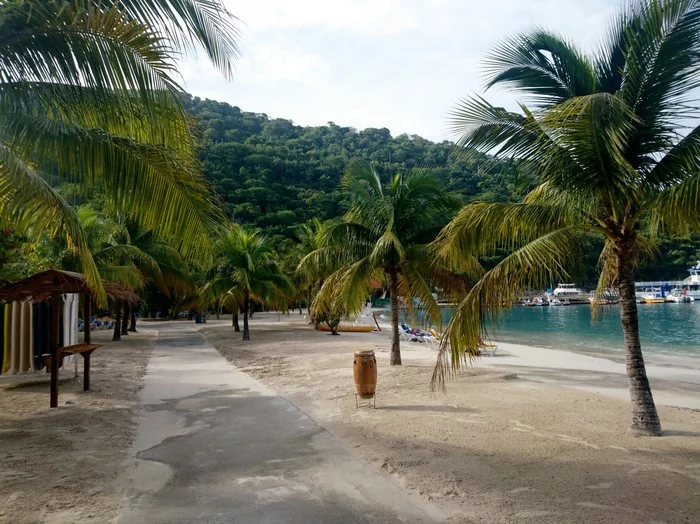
x=276 y=175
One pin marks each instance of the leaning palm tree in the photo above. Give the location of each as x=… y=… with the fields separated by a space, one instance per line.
x=247 y=270
x=89 y=93
x=605 y=134
x=383 y=238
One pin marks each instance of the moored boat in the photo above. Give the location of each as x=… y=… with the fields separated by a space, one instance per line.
x=680 y=296
x=569 y=294
x=607 y=297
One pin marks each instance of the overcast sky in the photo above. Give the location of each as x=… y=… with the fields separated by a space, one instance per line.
x=400 y=64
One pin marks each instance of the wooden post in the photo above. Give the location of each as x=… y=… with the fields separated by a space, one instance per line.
x=55 y=319
x=87 y=337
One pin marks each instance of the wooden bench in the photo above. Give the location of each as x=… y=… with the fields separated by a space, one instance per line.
x=83 y=349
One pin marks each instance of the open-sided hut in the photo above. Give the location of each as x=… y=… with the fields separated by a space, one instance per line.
x=48 y=286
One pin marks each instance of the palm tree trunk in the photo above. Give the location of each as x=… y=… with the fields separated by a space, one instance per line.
x=308 y=304
x=132 y=326
x=125 y=320
x=118 y=324
x=246 y=306
x=234 y=321
x=395 y=341
x=645 y=419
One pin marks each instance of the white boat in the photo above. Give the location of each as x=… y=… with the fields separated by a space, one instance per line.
x=679 y=296
x=569 y=294
x=691 y=285
x=609 y=296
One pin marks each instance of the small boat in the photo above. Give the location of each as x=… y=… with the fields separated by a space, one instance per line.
x=653 y=297
x=680 y=296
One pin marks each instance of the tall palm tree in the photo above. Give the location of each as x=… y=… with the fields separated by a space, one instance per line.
x=383 y=238
x=88 y=93
x=607 y=135
x=247 y=269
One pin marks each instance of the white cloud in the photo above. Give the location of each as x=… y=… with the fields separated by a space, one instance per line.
x=287 y=62
x=358 y=16
x=379 y=63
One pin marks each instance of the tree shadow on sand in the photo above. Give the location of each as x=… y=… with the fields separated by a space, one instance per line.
x=441 y=409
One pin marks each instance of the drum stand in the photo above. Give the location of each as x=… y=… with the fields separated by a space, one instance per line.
x=371 y=402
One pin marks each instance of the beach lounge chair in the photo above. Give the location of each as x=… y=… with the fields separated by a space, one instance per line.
x=417 y=336
x=489 y=348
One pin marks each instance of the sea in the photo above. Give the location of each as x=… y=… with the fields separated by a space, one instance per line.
x=665 y=329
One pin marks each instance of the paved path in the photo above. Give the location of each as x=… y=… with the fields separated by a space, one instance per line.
x=215 y=445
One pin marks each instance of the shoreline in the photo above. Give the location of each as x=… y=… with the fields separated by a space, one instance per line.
x=680 y=375
x=601 y=342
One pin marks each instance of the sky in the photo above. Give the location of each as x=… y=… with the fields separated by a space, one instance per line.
x=400 y=64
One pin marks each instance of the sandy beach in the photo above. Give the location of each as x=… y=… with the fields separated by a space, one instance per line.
x=68 y=464
x=528 y=435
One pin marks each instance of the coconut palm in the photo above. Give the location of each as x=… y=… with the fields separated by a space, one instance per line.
x=308 y=276
x=613 y=159
x=247 y=270
x=383 y=238
x=88 y=93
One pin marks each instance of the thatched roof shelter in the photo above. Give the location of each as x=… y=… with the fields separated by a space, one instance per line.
x=42 y=285
x=49 y=286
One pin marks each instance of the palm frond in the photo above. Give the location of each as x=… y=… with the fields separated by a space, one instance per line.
x=484 y=228
x=539 y=262
x=542 y=65
x=675 y=209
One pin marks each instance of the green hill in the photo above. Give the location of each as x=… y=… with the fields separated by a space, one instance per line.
x=275 y=175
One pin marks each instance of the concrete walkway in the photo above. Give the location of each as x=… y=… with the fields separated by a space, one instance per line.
x=215 y=445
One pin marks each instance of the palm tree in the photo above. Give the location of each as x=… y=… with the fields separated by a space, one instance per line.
x=384 y=238
x=605 y=135
x=308 y=276
x=88 y=93
x=246 y=268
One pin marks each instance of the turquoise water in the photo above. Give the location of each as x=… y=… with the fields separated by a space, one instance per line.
x=670 y=329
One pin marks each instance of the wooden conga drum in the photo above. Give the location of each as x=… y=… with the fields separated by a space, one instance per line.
x=364 y=369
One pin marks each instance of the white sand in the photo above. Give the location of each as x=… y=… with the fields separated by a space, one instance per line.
x=67 y=464
x=522 y=438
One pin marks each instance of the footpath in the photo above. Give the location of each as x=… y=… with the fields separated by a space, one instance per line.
x=215 y=445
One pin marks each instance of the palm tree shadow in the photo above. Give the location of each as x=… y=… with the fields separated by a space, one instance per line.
x=440 y=409
x=679 y=433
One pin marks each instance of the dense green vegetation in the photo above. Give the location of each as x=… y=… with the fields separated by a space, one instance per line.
x=276 y=175
x=88 y=93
